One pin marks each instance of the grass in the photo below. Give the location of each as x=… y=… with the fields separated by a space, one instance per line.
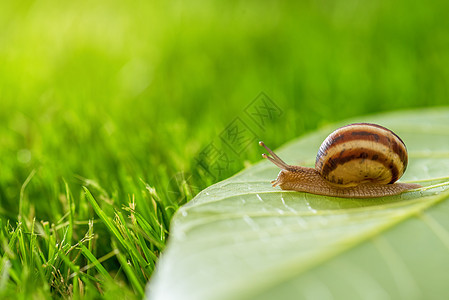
x=107 y=108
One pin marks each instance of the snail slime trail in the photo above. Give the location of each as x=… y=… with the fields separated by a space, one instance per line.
x=359 y=160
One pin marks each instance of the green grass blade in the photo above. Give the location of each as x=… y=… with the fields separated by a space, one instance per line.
x=71 y=203
x=95 y=262
x=135 y=282
x=104 y=218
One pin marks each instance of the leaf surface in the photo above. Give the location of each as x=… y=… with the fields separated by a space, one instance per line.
x=243 y=239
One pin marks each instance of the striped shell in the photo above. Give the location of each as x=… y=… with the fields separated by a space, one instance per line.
x=361 y=153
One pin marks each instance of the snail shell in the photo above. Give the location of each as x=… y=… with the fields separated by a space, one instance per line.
x=360 y=153
x=359 y=160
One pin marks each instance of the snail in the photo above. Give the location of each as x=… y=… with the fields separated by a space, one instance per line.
x=360 y=160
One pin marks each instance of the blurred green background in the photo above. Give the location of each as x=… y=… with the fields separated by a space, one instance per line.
x=111 y=89
x=109 y=93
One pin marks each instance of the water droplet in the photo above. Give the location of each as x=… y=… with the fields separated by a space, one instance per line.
x=251 y=222
x=280 y=211
x=288 y=207
x=310 y=207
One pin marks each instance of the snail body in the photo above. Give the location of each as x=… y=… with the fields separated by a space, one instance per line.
x=359 y=160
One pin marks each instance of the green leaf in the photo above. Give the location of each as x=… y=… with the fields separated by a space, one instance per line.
x=243 y=239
